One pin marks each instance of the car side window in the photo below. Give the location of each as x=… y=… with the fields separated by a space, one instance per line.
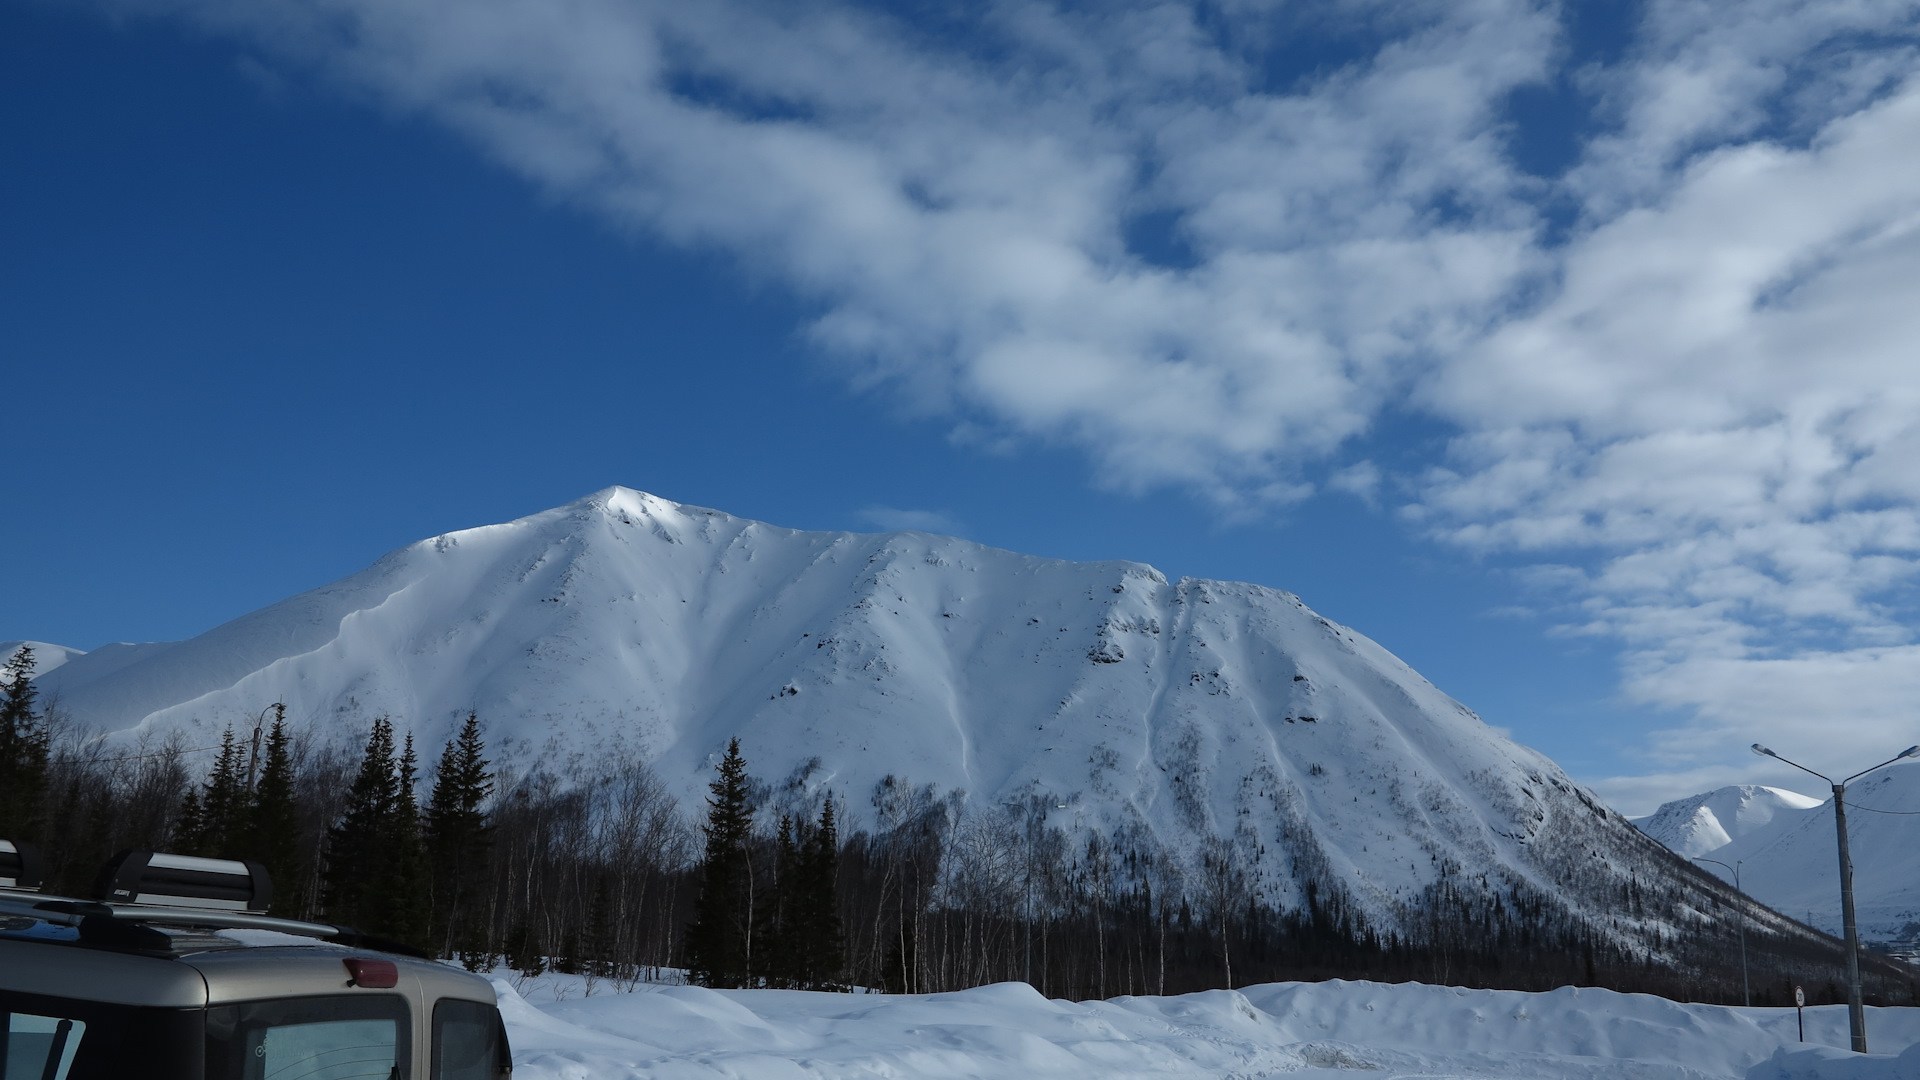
x=36 y=1047
x=469 y=1042
x=346 y=1037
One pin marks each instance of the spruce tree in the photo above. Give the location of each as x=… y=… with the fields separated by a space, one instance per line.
x=718 y=941
x=523 y=951
x=24 y=749
x=776 y=945
x=374 y=879
x=355 y=844
x=190 y=826
x=225 y=803
x=404 y=879
x=273 y=835
x=457 y=839
x=817 y=936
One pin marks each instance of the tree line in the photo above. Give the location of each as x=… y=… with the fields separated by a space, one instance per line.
x=591 y=867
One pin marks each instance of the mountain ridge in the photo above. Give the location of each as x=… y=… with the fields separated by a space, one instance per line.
x=1193 y=721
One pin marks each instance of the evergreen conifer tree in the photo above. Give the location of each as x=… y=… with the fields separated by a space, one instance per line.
x=776 y=945
x=523 y=952
x=404 y=878
x=25 y=744
x=356 y=843
x=819 y=942
x=457 y=839
x=190 y=826
x=225 y=803
x=273 y=834
x=719 y=942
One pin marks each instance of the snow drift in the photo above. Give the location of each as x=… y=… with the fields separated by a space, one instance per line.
x=1294 y=1029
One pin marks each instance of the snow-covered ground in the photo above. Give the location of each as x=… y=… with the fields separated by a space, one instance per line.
x=1306 y=1030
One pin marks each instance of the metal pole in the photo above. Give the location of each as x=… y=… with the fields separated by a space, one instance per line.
x=1746 y=988
x=1856 y=1002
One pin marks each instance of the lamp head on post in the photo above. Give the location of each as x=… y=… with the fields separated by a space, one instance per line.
x=1764 y=752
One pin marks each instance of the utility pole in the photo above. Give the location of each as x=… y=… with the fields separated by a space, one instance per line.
x=253 y=758
x=1856 y=1001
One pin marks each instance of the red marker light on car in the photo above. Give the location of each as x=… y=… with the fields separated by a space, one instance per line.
x=371 y=973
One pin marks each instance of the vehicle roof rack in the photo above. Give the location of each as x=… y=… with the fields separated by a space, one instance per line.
x=185 y=881
x=155 y=901
x=164 y=926
x=62 y=911
x=20 y=867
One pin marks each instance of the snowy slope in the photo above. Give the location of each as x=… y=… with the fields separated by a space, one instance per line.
x=1792 y=863
x=1175 y=714
x=1702 y=824
x=46 y=657
x=1293 y=1029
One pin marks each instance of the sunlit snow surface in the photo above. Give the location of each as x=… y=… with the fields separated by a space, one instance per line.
x=1352 y=1029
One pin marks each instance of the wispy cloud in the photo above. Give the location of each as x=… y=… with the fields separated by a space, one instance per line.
x=1681 y=373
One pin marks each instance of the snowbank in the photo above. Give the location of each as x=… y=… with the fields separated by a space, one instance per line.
x=1304 y=1029
x=1831 y=1063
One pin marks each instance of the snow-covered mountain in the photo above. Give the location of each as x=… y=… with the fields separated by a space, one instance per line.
x=1784 y=844
x=46 y=657
x=1702 y=824
x=1176 y=715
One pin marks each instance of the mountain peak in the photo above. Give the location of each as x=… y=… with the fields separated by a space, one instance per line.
x=1179 y=715
x=1702 y=824
x=46 y=656
x=616 y=500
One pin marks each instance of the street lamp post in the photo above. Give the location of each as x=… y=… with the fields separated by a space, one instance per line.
x=1746 y=988
x=1856 y=1003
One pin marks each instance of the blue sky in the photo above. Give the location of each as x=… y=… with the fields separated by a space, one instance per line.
x=1563 y=351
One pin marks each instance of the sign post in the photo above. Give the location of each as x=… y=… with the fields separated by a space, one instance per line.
x=1800 y=1010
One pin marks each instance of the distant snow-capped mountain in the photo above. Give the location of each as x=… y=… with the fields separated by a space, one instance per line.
x=1179 y=715
x=1701 y=824
x=1784 y=844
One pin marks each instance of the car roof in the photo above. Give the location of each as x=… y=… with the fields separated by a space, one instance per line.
x=190 y=959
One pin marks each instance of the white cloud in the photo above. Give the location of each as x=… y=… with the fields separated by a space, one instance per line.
x=1697 y=410
x=1719 y=402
